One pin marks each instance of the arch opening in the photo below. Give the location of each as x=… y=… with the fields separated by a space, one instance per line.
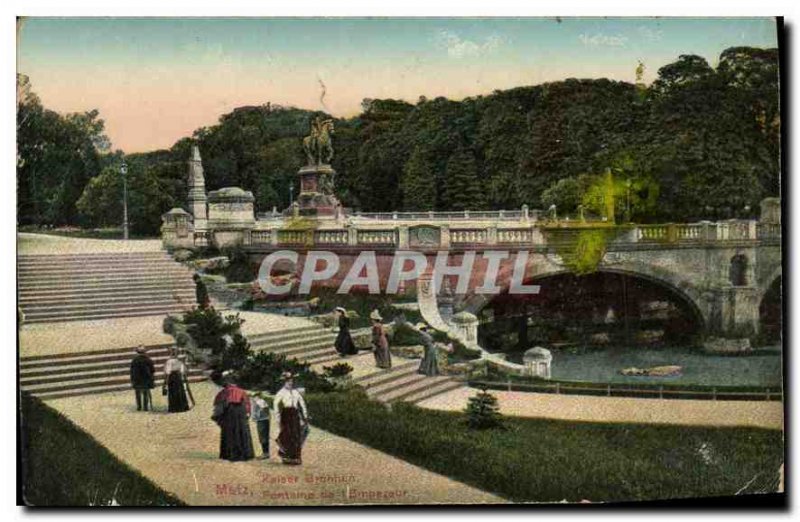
x=770 y=313
x=603 y=309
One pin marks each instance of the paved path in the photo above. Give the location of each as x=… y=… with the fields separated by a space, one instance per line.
x=179 y=453
x=43 y=244
x=762 y=414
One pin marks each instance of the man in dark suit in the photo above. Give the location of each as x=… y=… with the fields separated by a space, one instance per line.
x=143 y=379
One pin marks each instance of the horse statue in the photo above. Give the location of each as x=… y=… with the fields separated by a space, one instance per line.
x=318 y=145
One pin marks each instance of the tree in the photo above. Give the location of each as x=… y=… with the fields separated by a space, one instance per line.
x=462 y=188
x=483 y=412
x=417 y=184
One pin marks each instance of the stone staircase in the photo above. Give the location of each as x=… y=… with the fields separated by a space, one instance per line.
x=75 y=287
x=312 y=344
x=403 y=383
x=89 y=372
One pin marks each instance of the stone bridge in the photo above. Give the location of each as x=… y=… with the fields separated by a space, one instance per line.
x=720 y=270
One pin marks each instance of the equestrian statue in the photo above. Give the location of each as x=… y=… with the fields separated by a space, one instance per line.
x=318 y=145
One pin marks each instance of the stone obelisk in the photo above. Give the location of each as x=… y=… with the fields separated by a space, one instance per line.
x=197 y=191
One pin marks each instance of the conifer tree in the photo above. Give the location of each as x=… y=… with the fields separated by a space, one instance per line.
x=462 y=187
x=483 y=411
x=418 y=183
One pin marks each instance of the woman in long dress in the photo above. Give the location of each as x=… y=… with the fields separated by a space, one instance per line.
x=174 y=383
x=380 y=344
x=292 y=415
x=430 y=364
x=344 y=341
x=231 y=411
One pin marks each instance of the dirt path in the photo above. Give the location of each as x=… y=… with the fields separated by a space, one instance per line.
x=762 y=414
x=179 y=453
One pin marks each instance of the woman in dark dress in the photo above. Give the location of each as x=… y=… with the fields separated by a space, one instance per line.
x=231 y=411
x=174 y=384
x=429 y=365
x=344 y=341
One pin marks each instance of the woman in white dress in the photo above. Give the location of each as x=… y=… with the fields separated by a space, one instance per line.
x=292 y=416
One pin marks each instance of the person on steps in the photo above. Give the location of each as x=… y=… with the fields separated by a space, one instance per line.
x=344 y=341
x=143 y=373
x=380 y=344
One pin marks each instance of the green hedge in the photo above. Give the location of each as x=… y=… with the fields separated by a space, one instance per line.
x=64 y=466
x=538 y=460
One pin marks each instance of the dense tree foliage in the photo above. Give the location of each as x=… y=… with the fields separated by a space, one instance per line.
x=699 y=142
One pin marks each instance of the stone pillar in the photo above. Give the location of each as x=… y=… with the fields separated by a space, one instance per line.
x=197 y=191
x=445 y=236
x=491 y=235
x=740 y=317
x=352 y=236
x=402 y=237
x=273 y=237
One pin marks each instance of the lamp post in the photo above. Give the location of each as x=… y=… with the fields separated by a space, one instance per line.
x=123 y=169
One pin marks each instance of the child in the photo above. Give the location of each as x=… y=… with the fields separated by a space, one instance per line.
x=260 y=415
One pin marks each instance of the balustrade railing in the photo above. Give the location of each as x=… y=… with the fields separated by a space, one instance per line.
x=292 y=237
x=510 y=215
x=514 y=235
x=331 y=237
x=377 y=237
x=472 y=236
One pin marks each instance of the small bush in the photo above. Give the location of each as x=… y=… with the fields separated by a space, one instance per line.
x=483 y=412
x=337 y=370
x=263 y=370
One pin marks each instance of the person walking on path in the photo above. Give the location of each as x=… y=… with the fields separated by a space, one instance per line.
x=201 y=292
x=175 y=383
x=260 y=415
x=231 y=410
x=344 y=341
x=143 y=373
x=380 y=344
x=292 y=415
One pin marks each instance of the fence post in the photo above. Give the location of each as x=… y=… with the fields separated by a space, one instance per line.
x=558 y=388
x=608 y=390
x=714 y=393
x=661 y=391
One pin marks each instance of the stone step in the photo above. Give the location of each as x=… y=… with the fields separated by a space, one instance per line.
x=103 y=284
x=78 y=306
x=87 y=359
x=397 y=370
x=322 y=359
x=87 y=353
x=297 y=344
x=107 y=289
x=298 y=352
x=60 y=317
x=102 y=302
x=404 y=381
x=88 y=373
x=96 y=382
x=132 y=294
x=288 y=333
x=89 y=274
x=412 y=388
x=67 y=369
x=313 y=354
x=443 y=386
x=78 y=390
x=57 y=265
x=110 y=256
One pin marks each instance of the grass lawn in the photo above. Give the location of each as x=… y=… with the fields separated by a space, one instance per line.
x=539 y=460
x=64 y=466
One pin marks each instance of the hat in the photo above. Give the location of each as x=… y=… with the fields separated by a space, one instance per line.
x=375 y=316
x=423 y=326
x=140 y=349
x=286 y=376
x=340 y=309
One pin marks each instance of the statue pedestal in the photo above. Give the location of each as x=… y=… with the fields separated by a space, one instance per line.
x=316 y=191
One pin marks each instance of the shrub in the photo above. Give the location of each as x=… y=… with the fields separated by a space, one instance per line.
x=263 y=370
x=337 y=370
x=483 y=411
x=208 y=328
x=239 y=270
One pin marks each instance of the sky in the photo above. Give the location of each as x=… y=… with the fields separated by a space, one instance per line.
x=156 y=80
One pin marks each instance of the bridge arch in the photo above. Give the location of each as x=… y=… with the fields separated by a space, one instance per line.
x=675 y=284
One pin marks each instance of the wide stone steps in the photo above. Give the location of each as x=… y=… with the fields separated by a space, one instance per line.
x=311 y=344
x=403 y=383
x=89 y=372
x=102 y=286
